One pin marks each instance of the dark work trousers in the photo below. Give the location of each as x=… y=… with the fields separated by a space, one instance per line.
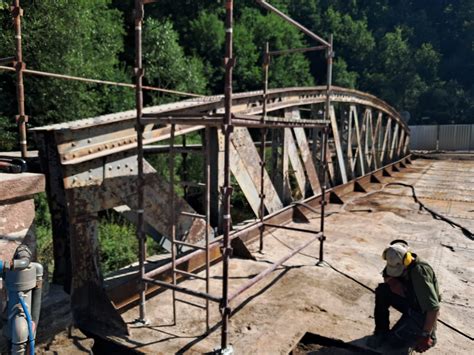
x=409 y=326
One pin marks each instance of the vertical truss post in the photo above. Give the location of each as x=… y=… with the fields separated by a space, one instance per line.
x=227 y=188
x=139 y=13
x=329 y=57
x=21 y=119
x=263 y=135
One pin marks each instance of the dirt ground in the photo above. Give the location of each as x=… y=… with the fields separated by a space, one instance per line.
x=334 y=300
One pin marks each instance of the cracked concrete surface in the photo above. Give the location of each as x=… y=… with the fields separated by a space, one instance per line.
x=301 y=297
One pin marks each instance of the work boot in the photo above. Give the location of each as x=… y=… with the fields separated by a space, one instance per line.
x=376 y=341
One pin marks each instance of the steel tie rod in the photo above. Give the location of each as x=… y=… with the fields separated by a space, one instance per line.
x=296 y=229
x=272 y=268
x=185 y=290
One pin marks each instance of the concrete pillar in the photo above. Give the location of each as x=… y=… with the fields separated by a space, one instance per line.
x=17 y=214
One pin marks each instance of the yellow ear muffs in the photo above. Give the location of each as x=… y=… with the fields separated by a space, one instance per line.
x=407 y=259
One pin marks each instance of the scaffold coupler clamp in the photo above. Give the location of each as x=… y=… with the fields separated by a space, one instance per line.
x=227 y=351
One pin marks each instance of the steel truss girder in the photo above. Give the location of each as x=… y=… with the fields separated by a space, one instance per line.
x=92 y=138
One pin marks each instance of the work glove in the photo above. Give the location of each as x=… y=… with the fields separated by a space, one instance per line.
x=423 y=343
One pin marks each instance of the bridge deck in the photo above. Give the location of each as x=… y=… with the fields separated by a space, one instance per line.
x=302 y=297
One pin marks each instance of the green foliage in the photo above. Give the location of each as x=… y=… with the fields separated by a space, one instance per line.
x=44 y=233
x=416 y=55
x=76 y=38
x=118 y=245
x=251 y=33
x=206 y=33
x=342 y=76
x=7 y=134
x=165 y=61
x=117 y=239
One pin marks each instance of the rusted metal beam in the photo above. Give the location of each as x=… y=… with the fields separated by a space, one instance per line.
x=187 y=291
x=238 y=120
x=337 y=142
x=295 y=160
x=247 y=173
x=291 y=228
x=93 y=138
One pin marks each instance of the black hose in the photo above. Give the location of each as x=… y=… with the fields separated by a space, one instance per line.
x=373 y=291
x=435 y=214
x=460 y=332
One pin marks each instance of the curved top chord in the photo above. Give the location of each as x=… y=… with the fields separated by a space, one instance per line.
x=92 y=138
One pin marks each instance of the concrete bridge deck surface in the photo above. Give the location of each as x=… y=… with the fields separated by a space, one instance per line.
x=300 y=297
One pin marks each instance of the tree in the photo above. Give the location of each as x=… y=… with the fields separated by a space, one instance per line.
x=206 y=40
x=165 y=62
x=253 y=31
x=76 y=38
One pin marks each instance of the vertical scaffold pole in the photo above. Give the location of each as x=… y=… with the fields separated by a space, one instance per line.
x=22 y=118
x=227 y=188
x=207 y=207
x=263 y=135
x=139 y=13
x=172 y=221
x=324 y=148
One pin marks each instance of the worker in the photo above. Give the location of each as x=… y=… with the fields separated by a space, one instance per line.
x=410 y=286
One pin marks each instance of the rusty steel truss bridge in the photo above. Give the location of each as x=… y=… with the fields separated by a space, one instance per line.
x=289 y=150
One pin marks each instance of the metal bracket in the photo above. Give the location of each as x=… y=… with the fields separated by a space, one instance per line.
x=227 y=190
x=227 y=251
x=225 y=310
x=230 y=62
x=21 y=118
x=16 y=11
x=139 y=71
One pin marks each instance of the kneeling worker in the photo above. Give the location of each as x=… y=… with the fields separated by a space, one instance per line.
x=410 y=287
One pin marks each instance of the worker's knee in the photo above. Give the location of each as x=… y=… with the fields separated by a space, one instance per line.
x=382 y=290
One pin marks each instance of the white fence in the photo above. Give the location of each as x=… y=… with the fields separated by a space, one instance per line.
x=445 y=137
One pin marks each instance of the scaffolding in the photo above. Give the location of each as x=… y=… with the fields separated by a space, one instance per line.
x=226 y=122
